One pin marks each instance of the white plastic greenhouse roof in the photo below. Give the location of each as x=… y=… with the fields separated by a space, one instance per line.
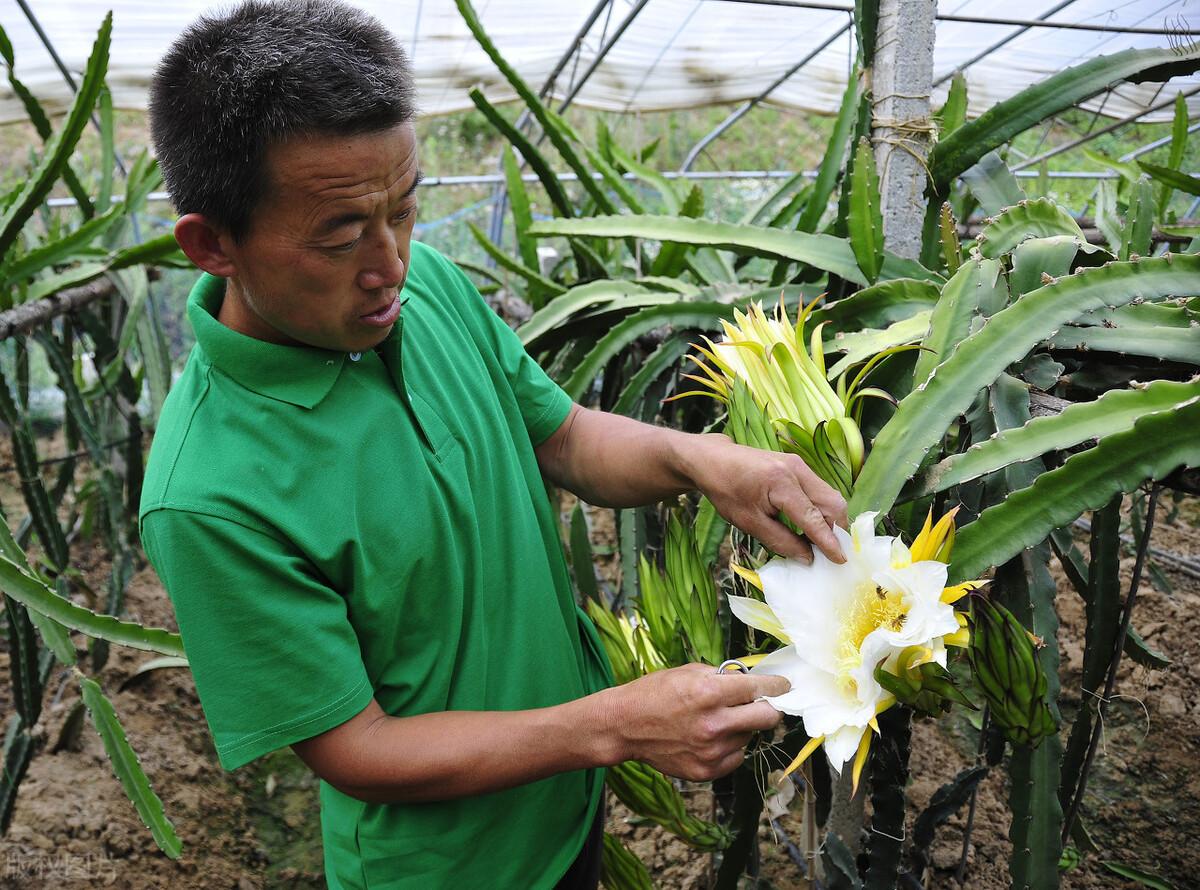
x=666 y=53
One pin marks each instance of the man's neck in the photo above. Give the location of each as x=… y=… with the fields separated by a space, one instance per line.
x=237 y=315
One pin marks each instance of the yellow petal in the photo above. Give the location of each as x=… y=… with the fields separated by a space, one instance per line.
x=860 y=760
x=919 y=544
x=805 y=753
x=874 y=724
x=956 y=592
x=913 y=657
x=928 y=543
x=748 y=575
x=960 y=639
x=751 y=660
x=961 y=617
x=943 y=553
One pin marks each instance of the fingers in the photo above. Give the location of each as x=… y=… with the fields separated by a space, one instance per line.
x=757 y=716
x=768 y=684
x=729 y=764
x=826 y=498
x=793 y=502
x=706 y=719
x=739 y=689
x=778 y=538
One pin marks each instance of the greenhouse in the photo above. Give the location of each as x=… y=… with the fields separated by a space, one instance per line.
x=699 y=444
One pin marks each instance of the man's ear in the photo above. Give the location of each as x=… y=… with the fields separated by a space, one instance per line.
x=205 y=244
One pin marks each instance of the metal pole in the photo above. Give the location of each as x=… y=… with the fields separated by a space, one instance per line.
x=604 y=50
x=987 y=20
x=574 y=47
x=37 y=27
x=1067 y=26
x=493 y=178
x=745 y=107
x=1001 y=42
x=500 y=194
x=1150 y=146
x=497 y=221
x=1075 y=143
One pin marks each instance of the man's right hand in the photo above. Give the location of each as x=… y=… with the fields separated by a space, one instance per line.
x=690 y=722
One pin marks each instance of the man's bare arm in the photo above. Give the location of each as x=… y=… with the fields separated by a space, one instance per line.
x=614 y=461
x=688 y=722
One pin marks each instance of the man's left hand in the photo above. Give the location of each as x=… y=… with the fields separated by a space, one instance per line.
x=614 y=461
x=753 y=489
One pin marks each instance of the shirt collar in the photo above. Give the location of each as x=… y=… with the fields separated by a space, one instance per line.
x=298 y=375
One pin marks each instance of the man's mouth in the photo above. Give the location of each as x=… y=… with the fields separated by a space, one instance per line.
x=384 y=315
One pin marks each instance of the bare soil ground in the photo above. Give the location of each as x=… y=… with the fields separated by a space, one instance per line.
x=73 y=826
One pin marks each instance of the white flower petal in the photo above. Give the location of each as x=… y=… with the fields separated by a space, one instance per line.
x=872 y=551
x=939 y=652
x=920 y=586
x=810 y=685
x=800 y=593
x=863 y=527
x=841 y=746
x=842 y=626
x=877 y=647
x=919 y=581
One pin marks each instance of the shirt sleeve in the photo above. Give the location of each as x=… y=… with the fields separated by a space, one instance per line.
x=271 y=647
x=543 y=403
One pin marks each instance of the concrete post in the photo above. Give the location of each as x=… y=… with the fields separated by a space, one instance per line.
x=901 y=126
x=900 y=82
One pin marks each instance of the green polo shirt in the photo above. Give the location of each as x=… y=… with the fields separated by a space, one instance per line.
x=333 y=527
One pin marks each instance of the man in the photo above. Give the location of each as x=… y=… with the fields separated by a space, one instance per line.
x=345 y=498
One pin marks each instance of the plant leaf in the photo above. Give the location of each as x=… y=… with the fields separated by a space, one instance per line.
x=1114 y=411
x=507 y=262
x=965 y=146
x=61 y=144
x=1155 y=445
x=1173 y=178
x=518 y=200
x=1167 y=344
x=877 y=306
x=833 y=160
x=579 y=298
x=861 y=345
x=665 y=356
x=1139 y=221
x=978 y=281
x=1144 y=878
x=993 y=184
x=821 y=251
x=581 y=556
x=923 y=417
x=1038 y=218
x=37 y=597
x=552 y=125
x=865 y=219
x=128 y=768
x=705 y=316
x=536 y=161
x=954 y=112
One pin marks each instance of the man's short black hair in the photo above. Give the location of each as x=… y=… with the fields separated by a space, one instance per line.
x=233 y=85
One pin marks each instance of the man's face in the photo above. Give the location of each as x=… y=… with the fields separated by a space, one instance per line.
x=328 y=247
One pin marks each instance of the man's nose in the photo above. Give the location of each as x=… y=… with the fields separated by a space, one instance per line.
x=384 y=268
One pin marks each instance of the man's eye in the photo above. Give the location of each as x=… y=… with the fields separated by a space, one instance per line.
x=344 y=248
x=403 y=215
